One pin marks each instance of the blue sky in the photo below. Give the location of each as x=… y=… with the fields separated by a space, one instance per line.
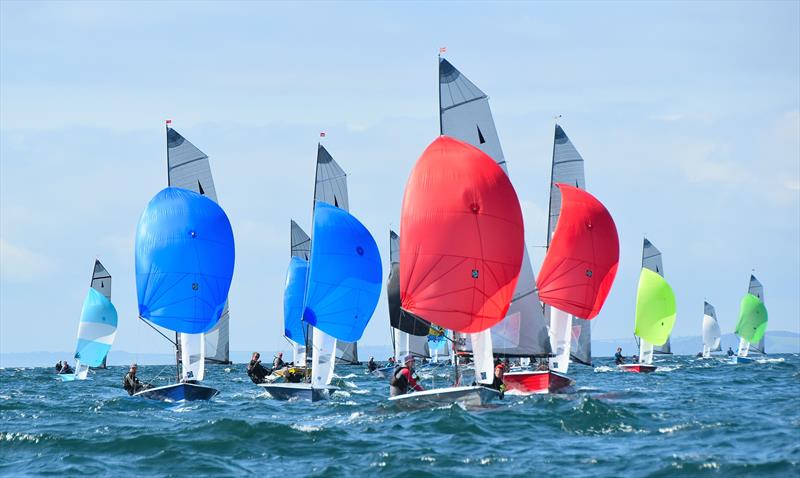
x=687 y=114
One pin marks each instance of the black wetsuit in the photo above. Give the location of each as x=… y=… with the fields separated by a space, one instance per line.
x=256 y=371
x=131 y=384
x=278 y=363
x=66 y=369
x=730 y=352
x=618 y=358
x=58 y=367
x=372 y=366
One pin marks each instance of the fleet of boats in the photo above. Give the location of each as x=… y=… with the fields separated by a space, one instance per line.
x=461 y=288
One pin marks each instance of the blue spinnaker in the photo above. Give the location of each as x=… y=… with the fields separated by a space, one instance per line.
x=293 y=296
x=97 y=329
x=184 y=261
x=344 y=277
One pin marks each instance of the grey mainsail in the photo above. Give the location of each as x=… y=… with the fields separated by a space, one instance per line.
x=567 y=168
x=757 y=289
x=101 y=282
x=464 y=114
x=651 y=259
x=188 y=168
x=330 y=186
x=300 y=242
x=409 y=333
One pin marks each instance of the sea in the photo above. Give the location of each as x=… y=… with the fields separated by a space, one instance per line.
x=690 y=418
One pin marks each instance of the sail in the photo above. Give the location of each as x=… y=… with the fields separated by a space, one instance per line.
x=184 y=261
x=757 y=290
x=567 y=168
x=401 y=320
x=582 y=259
x=347 y=352
x=405 y=344
x=461 y=238
x=293 y=295
x=651 y=259
x=188 y=168
x=711 y=330
x=192 y=356
x=464 y=114
x=752 y=319
x=101 y=281
x=344 y=277
x=655 y=308
x=97 y=329
x=300 y=242
x=323 y=347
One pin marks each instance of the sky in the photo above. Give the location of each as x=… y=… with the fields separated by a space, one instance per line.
x=687 y=116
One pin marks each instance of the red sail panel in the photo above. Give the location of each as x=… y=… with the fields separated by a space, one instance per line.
x=582 y=260
x=461 y=238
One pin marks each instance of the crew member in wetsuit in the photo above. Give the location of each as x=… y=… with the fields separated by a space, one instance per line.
x=65 y=368
x=278 y=363
x=730 y=352
x=255 y=370
x=132 y=384
x=371 y=365
x=618 y=357
x=499 y=372
x=58 y=366
x=403 y=378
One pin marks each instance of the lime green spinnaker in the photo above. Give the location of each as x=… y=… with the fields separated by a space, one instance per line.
x=655 y=308
x=752 y=319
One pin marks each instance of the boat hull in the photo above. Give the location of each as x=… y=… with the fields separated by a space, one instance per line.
x=382 y=372
x=470 y=397
x=538 y=381
x=735 y=359
x=177 y=392
x=297 y=391
x=637 y=367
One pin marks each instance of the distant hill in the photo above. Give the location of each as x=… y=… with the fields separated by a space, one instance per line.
x=777 y=342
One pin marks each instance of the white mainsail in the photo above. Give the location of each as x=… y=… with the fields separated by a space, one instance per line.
x=403 y=343
x=188 y=168
x=464 y=114
x=711 y=331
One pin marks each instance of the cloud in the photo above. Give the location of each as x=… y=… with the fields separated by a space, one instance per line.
x=18 y=264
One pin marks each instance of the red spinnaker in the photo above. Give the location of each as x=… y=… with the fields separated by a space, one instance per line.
x=461 y=238
x=581 y=263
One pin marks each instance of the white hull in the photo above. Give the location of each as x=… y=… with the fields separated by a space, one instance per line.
x=471 y=397
x=297 y=391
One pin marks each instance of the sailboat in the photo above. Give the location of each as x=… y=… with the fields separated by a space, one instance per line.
x=98 y=326
x=465 y=114
x=711 y=331
x=342 y=288
x=188 y=168
x=296 y=275
x=184 y=266
x=651 y=258
x=655 y=310
x=752 y=324
x=409 y=334
x=461 y=247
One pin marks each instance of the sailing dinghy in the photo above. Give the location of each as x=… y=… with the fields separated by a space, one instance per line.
x=752 y=324
x=655 y=311
x=461 y=246
x=98 y=326
x=184 y=266
x=711 y=331
x=342 y=289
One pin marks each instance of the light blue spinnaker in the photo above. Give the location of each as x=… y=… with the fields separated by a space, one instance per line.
x=184 y=261
x=293 y=295
x=344 y=277
x=97 y=329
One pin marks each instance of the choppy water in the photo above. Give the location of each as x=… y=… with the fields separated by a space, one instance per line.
x=692 y=418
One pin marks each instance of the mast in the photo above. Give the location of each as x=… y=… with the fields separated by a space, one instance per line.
x=177 y=337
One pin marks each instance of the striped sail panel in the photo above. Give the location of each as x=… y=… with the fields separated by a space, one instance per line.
x=346 y=352
x=651 y=259
x=757 y=289
x=331 y=181
x=567 y=168
x=97 y=329
x=405 y=344
x=188 y=168
x=300 y=242
x=711 y=331
x=465 y=115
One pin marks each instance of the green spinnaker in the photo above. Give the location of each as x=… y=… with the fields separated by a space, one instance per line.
x=752 y=319
x=655 y=308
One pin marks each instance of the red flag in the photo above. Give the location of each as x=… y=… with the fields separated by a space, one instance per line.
x=169 y=121
x=322 y=134
x=443 y=49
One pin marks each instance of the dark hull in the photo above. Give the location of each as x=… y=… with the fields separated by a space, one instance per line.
x=179 y=392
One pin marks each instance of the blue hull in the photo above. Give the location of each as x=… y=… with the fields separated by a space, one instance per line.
x=735 y=360
x=179 y=392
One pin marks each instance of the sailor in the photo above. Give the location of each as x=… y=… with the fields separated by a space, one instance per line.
x=58 y=366
x=618 y=357
x=371 y=365
x=499 y=372
x=403 y=378
x=255 y=370
x=543 y=366
x=132 y=384
x=391 y=361
x=65 y=368
x=730 y=352
x=278 y=363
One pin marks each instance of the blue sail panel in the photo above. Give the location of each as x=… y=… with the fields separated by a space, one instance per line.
x=344 y=278
x=97 y=329
x=184 y=261
x=293 y=296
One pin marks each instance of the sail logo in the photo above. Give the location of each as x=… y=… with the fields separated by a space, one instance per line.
x=195 y=286
x=474 y=273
